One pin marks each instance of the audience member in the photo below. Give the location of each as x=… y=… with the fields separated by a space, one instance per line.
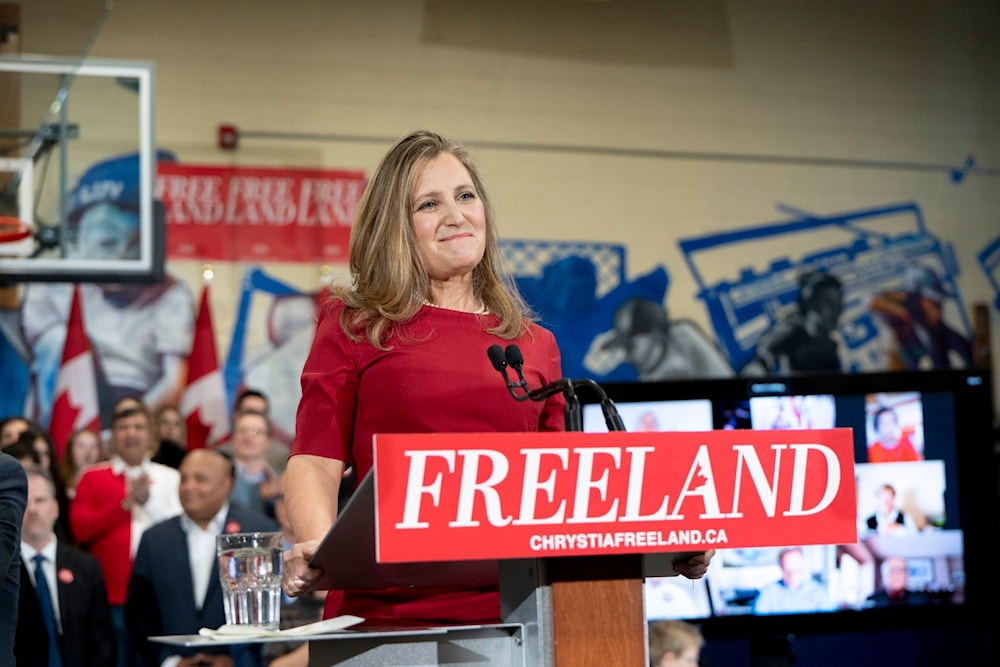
x=174 y=587
x=796 y=591
x=887 y=518
x=894 y=590
x=13 y=500
x=11 y=427
x=83 y=449
x=169 y=436
x=256 y=481
x=674 y=644
x=117 y=501
x=63 y=613
x=43 y=445
x=254 y=400
x=23 y=450
x=892 y=443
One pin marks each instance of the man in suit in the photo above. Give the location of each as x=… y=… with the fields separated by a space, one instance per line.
x=174 y=588
x=73 y=586
x=13 y=498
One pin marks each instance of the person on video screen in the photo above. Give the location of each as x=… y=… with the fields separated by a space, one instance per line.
x=888 y=519
x=892 y=444
x=895 y=592
x=796 y=591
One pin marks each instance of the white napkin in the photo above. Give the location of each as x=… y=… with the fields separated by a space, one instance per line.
x=318 y=628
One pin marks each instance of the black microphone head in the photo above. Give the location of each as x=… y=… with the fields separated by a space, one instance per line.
x=497 y=357
x=514 y=356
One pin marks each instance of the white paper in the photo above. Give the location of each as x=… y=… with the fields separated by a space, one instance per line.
x=318 y=628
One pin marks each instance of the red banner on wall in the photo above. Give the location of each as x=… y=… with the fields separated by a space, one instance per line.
x=258 y=214
x=530 y=495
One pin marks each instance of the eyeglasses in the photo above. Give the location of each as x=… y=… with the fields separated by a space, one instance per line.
x=252 y=430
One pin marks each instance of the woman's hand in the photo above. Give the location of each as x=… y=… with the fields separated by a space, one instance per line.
x=696 y=566
x=297 y=577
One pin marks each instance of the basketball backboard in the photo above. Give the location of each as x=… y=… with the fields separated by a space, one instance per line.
x=81 y=167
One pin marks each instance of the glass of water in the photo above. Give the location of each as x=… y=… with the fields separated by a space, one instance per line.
x=250 y=574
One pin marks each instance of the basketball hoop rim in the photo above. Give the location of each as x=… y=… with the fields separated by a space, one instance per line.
x=13 y=229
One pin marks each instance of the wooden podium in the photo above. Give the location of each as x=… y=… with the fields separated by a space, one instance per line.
x=556 y=612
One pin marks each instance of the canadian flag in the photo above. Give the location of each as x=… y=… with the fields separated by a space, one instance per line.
x=203 y=404
x=76 y=404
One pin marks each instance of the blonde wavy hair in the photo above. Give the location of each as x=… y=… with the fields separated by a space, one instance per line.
x=388 y=282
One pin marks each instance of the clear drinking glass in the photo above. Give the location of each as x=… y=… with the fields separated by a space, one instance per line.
x=250 y=574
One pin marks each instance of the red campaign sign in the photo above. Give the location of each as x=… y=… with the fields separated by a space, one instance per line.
x=258 y=214
x=532 y=495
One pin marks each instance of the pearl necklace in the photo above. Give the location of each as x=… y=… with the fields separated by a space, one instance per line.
x=483 y=310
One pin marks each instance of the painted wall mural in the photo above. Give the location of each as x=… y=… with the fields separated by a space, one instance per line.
x=873 y=282
x=854 y=291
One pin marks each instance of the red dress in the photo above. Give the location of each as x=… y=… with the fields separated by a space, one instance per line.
x=441 y=382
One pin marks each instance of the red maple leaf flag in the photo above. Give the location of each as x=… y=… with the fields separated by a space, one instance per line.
x=76 y=404
x=203 y=404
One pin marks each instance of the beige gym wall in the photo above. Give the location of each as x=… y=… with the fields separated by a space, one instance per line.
x=637 y=103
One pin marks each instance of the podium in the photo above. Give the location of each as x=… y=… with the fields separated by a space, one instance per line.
x=556 y=612
x=568 y=525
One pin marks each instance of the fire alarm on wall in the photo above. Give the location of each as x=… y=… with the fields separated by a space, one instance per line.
x=229 y=137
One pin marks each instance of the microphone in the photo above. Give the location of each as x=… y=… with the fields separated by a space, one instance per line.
x=516 y=361
x=513 y=358
x=497 y=358
x=500 y=363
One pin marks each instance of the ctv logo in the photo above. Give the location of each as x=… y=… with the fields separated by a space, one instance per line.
x=514 y=491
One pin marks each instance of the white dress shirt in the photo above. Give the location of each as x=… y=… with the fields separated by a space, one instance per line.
x=202 y=550
x=163 y=502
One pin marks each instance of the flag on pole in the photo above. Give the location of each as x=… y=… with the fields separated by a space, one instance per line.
x=76 y=404
x=203 y=404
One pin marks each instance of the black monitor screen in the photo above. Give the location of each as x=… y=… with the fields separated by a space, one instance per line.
x=923 y=454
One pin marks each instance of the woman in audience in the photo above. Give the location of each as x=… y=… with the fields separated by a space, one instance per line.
x=40 y=442
x=169 y=436
x=11 y=427
x=83 y=448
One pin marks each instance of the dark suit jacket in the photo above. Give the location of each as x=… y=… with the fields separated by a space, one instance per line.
x=13 y=499
x=88 y=637
x=161 y=594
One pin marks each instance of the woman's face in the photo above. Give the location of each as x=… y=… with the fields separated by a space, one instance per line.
x=448 y=219
x=44 y=453
x=171 y=427
x=12 y=430
x=86 y=450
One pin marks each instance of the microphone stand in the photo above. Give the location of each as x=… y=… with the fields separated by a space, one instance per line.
x=575 y=585
x=512 y=357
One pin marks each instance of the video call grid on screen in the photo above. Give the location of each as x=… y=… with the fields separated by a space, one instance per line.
x=918 y=521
